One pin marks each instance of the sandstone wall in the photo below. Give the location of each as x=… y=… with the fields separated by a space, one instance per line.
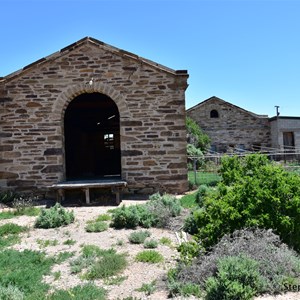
x=234 y=127
x=150 y=99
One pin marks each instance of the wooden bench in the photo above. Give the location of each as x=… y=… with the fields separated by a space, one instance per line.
x=116 y=187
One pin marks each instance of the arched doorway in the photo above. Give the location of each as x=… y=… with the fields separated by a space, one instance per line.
x=92 y=137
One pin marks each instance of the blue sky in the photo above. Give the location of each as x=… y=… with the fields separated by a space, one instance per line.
x=246 y=52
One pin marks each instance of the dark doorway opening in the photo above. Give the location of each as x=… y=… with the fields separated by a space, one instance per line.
x=92 y=138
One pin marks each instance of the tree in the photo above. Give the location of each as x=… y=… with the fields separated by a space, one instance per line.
x=196 y=136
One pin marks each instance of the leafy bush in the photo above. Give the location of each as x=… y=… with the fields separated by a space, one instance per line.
x=7 y=197
x=10 y=292
x=138 y=237
x=85 y=292
x=148 y=288
x=109 y=264
x=99 y=263
x=125 y=217
x=257 y=244
x=53 y=217
x=150 y=244
x=11 y=228
x=97 y=226
x=237 y=278
x=25 y=270
x=157 y=212
x=163 y=208
x=195 y=135
x=103 y=217
x=149 y=256
x=254 y=192
x=188 y=251
x=201 y=193
x=184 y=289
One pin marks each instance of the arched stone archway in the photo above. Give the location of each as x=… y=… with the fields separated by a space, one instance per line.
x=92 y=137
x=68 y=95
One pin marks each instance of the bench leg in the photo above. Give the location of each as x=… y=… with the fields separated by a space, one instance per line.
x=60 y=195
x=116 y=190
x=87 y=195
x=118 y=197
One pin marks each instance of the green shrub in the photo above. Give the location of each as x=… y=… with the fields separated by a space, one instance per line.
x=7 y=197
x=157 y=212
x=276 y=262
x=163 y=208
x=138 y=237
x=10 y=292
x=148 y=288
x=25 y=270
x=103 y=217
x=165 y=241
x=11 y=228
x=237 y=278
x=201 y=193
x=109 y=264
x=9 y=234
x=85 y=292
x=188 y=251
x=184 y=289
x=53 y=217
x=97 y=226
x=149 y=256
x=257 y=193
x=69 y=242
x=46 y=243
x=125 y=217
x=150 y=244
x=98 y=263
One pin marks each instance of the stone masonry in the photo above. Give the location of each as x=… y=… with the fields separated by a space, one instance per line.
x=232 y=127
x=151 y=103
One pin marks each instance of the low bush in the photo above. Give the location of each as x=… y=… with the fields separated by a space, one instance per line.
x=157 y=212
x=138 y=237
x=103 y=217
x=11 y=292
x=7 y=197
x=148 y=288
x=201 y=193
x=53 y=217
x=97 y=226
x=150 y=244
x=11 y=228
x=184 y=289
x=9 y=234
x=149 y=256
x=276 y=262
x=81 y=292
x=237 y=278
x=98 y=263
x=25 y=270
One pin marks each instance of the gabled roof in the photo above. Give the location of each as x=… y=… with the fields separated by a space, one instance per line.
x=96 y=43
x=214 y=98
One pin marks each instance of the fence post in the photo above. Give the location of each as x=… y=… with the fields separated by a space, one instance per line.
x=195 y=169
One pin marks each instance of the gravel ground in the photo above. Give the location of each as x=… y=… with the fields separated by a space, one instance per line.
x=135 y=274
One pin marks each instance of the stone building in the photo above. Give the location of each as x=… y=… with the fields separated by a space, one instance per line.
x=230 y=126
x=285 y=132
x=92 y=111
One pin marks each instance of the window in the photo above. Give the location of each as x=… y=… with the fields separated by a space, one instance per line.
x=214 y=114
x=109 y=141
x=288 y=140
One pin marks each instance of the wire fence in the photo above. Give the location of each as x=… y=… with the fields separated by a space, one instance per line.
x=204 y=169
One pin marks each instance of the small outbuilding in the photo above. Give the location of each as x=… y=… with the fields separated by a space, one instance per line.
x=90 y=112
x=230 y=126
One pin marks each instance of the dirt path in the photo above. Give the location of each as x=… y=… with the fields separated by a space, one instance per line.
x=135 y=274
